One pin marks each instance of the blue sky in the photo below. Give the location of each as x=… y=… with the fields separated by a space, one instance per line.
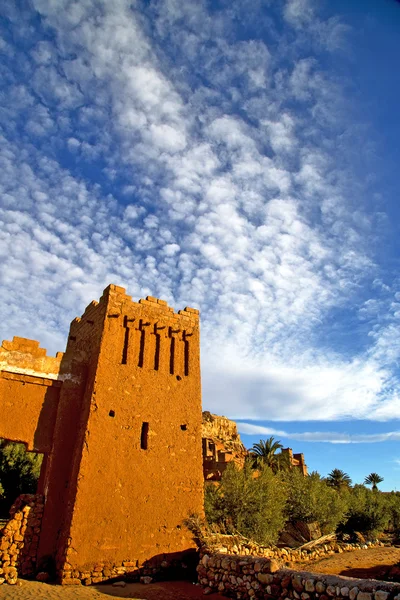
x=240 y=157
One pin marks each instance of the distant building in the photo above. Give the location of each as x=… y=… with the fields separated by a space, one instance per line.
x=222 y=445
x=296 y=460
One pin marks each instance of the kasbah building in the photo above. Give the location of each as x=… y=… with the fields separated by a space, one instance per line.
x=118 y=419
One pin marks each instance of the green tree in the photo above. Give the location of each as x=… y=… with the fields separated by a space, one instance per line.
x=248 y=504
x=310 y=499
x=368 y=512
x=19 y=473
x=373 y=479
x=338 y=479
x=393 y=504
x=264 y=454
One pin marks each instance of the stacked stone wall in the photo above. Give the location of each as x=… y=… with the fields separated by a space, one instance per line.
x=20 y=537
x=248 y=578
x=238 y=545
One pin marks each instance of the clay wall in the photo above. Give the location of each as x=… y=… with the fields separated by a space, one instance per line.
x=140 y=473
x=29 y=392
x=118 y=416
x=77 y=371
x=296 y=460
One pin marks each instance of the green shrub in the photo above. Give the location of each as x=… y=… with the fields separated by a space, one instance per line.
x=310 y=499
x=248 y=504
x=19 y=473
x=393 y=507
x=368 y=511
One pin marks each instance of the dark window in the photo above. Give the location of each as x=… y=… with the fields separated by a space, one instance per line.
x=144 y=436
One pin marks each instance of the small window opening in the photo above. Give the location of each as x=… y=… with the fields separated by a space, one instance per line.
x=144 y=436
x=184 y=427
x=179 y=378
x=112 y=413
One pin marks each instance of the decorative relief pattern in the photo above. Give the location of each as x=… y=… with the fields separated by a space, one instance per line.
x=162 y=344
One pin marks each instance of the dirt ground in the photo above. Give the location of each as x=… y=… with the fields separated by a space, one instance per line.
x=374 y=563
x=168 y=590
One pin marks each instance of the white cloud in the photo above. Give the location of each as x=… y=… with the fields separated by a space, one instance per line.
x=330 y=437
x=223 y=197
x=298 y=12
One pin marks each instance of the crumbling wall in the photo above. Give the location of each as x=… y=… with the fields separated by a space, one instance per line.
x=239 y=545
x=20 y=537
x=221 y=445
x=248 y=577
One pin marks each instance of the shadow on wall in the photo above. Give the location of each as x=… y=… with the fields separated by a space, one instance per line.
x=173 y=566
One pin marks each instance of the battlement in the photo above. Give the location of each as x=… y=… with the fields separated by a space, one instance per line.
x=119 y=298
x=147 y=334
x=25 y=356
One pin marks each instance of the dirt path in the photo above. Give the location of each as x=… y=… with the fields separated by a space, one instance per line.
x=374 y=563
x=168 y=590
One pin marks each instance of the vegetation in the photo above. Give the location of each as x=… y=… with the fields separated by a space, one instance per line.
x=258 y=503
x=248 y=504
x=368 y=512
x=19 y=473
x=338 y=479
x=264 y=454
x=310 y=499
x=373 y=479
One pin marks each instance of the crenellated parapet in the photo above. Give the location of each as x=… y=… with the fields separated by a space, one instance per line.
x=25 y=356
x=149 y=334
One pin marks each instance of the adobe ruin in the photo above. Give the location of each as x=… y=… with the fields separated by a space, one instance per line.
x=222 y=445
x=118 y=419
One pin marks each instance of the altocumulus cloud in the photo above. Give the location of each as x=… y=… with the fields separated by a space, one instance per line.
x=152 y=146
x=321 y=436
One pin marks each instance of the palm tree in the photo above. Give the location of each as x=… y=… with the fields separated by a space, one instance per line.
x=264 y=453
x=338 y=479
x=373 y=479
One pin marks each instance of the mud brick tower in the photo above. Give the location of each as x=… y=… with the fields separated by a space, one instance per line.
x=118 y=418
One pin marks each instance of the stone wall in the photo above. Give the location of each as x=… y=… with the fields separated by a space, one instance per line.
x=239 y=545
x=247 y=578
x=19 y=538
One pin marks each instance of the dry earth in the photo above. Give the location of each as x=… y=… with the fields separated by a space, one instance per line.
x=374 y=563
x=168 y=590
x=367 y=564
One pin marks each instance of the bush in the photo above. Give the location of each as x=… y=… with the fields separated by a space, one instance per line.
x=249 y=504
x=19 y=473
x=310 y=499
x=368 y=513
x=393 y=507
